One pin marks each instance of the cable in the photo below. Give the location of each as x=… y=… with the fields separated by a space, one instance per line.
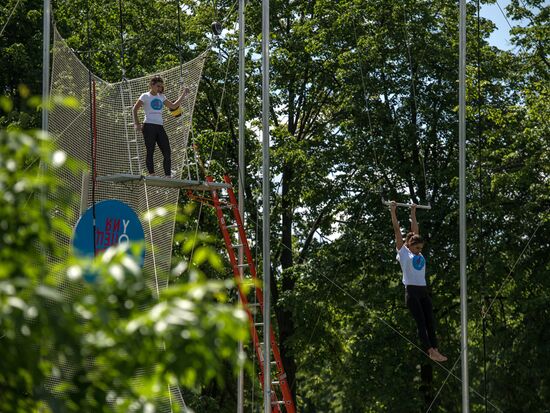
x=480 y=183
x=179 y=39
x=484 y=313
x=9 y=17
x=366 y=98
x=503 y=14
x=230 y=12
x=443 y=385
x=93 y=135
x=413 y=91
x=120 y=26
x=450 y=372
x=362 y=304
x=214 y=141
x=149 y=219
x=216 y=125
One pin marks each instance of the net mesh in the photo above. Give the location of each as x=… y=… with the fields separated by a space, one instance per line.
x=119 y=148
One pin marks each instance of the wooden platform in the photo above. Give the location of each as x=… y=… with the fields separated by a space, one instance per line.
x=163 y=181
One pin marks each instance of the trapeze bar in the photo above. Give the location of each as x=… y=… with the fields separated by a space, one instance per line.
x=165 y=182
x=400 y=204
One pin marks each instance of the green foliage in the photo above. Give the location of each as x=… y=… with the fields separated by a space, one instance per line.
x=364 y=99
x=111 y=345
x=21 y=60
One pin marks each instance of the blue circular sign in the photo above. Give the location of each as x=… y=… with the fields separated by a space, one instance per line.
x=116 y=223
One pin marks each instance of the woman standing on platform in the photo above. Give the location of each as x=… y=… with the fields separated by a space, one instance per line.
x=152 y=128
x=413 y=266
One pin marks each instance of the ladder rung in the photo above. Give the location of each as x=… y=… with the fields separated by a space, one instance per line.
x=223 y=198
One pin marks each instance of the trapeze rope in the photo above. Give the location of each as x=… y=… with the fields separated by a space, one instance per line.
x=413 y=90
x=179 y=39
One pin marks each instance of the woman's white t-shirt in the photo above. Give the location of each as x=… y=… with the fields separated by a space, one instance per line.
x=152 y=106
x=413 y=267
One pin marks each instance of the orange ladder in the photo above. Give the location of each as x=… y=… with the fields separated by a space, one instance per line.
x=281 y=396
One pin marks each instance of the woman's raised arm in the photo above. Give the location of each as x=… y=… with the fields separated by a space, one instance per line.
x=395 y=223
x=414 y=222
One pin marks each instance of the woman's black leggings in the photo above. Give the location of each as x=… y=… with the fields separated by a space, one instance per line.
x=155 y=134
x=420 y=304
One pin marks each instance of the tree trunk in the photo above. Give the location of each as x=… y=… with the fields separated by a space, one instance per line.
x=284 y=315
x=427 y=376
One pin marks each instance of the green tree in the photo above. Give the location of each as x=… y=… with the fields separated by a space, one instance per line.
x=70 y=345
x=21 y=60
x=364 y=101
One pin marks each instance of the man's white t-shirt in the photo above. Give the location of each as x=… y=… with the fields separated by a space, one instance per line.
x=413 y=267
x=152 y=106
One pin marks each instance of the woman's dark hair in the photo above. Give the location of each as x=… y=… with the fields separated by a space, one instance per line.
x=156 y=79
x=413 y=239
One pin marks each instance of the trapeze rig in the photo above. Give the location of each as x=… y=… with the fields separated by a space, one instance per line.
x=401 y=204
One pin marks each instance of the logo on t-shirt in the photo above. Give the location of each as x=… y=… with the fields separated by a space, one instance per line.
x=418 y=262
x=156 y=104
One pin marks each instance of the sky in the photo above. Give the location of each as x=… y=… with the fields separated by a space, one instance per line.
x=501 y=36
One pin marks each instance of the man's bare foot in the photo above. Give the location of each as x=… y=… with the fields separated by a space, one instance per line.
x=436 y=355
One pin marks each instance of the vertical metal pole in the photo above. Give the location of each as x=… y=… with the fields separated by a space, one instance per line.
x=85 y=192
x=240 y=382
x=462 y=205
x=45 y=65
x=266 y=205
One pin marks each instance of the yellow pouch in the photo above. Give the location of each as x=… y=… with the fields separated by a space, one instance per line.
x=176 y=112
